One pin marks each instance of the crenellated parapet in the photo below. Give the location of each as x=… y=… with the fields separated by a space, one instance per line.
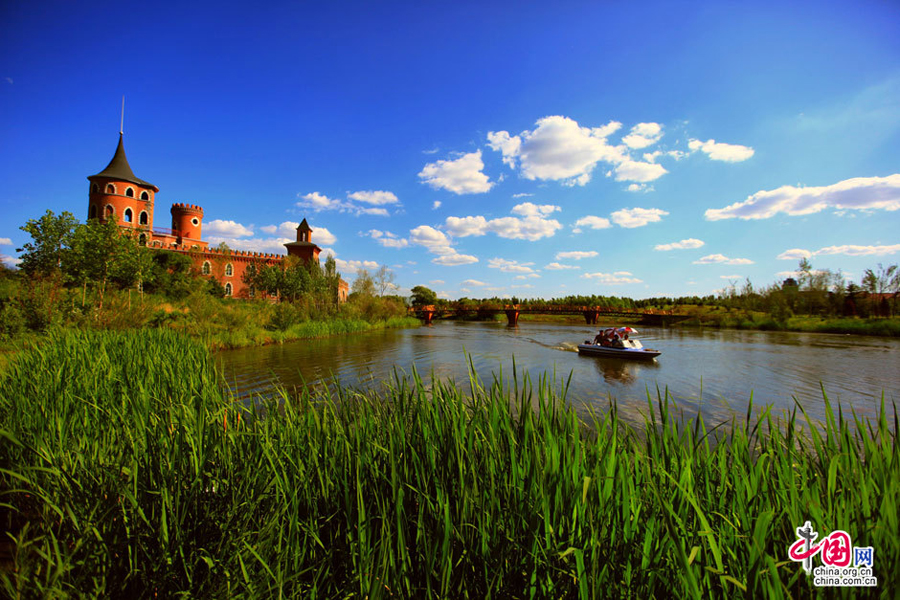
x=182 y=207
x=248 y=255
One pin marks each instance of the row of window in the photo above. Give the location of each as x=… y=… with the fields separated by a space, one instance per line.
x=111 y=189
x=127 y=217
x=207 y=269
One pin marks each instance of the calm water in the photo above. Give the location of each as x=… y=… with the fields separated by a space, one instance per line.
x=711 y=371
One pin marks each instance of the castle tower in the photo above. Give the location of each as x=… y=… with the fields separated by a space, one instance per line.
x=303 y=248
x=116 y=191
x=187 y=224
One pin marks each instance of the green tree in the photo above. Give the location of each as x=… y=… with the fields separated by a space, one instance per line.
x=883 y=281
x=384 y=279
x=422 y=296
x=50 y=237
x=363 y=285
x=98 y=254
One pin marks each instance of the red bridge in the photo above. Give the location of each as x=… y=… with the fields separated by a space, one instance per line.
x=591 y=313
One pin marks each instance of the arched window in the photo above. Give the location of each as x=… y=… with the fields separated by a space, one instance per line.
x=206 y=267
x=128 y=215
x=95 y=188
x=142 y=239
x=93 y=213
x=195 y=221
x=108 y=211
x=144 y=219
x=129 y=192
x=227 y=289
x=145 y=196
x=229 y=270
x=110 y=188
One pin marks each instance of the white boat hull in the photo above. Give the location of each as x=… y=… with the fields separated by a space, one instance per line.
x=609 y=351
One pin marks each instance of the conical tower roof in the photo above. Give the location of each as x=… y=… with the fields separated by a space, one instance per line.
x=119 y=169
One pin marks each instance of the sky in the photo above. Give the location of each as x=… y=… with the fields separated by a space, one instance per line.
x=480 y=149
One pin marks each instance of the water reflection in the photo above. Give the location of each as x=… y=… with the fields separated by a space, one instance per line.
x=619 y=370
x=712 y=372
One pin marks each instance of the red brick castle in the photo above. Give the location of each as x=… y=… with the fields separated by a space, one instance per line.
x=116 y=191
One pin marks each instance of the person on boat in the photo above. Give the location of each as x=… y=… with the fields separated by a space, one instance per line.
x=617 y=341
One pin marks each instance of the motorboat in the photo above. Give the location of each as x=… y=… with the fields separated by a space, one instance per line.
x=614 y=342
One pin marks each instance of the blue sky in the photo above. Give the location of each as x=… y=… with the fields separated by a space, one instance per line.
x=514 y=149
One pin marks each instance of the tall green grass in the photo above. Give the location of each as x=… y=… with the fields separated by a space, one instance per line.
x=126 y=471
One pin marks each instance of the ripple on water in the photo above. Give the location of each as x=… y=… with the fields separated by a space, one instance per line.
x=709 y=371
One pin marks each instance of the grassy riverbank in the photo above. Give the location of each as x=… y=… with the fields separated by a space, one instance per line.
x=30 y=310
x=741 y=319
x=127 y=472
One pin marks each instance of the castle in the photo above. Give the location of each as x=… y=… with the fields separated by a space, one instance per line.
x=117 y=192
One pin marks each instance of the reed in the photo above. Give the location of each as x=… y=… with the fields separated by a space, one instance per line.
x=126 y=470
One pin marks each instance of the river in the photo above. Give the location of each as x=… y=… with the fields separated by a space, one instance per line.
x=709 y=371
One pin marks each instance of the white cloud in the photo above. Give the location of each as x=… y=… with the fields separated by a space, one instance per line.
x=794 y=254
x=378 y=198
x=437 y=282
x=452 y=260
x=576 y=254
x=592 y=222
x=228 y=229
x=711 y=259
x=474 y=282
x=461 y=176
x=388 y=239
x=859 y=193
x=434 y=240
x=522 y=195
x=720 y=151
x=317 y=201
x=637 y=217
x=320 y=235
x=527 y=209
x=378 y=212
x=643 y=135
x=10 y=261
x=731 y=276
x=687 y=244
x=613 y=278
x=510 y=266
x=5 y=242
x=851 y=250
x=558 y=149
x=352 y=266
x=509 y=146
x=632 y=170
x=533 y=226
x=286 y=229
x=436 y=205
x=555 y=266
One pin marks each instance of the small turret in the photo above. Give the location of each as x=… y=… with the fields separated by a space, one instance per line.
x=187 y=221
x=303 y=248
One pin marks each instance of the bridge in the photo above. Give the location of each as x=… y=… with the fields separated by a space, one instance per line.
x=591 y=314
